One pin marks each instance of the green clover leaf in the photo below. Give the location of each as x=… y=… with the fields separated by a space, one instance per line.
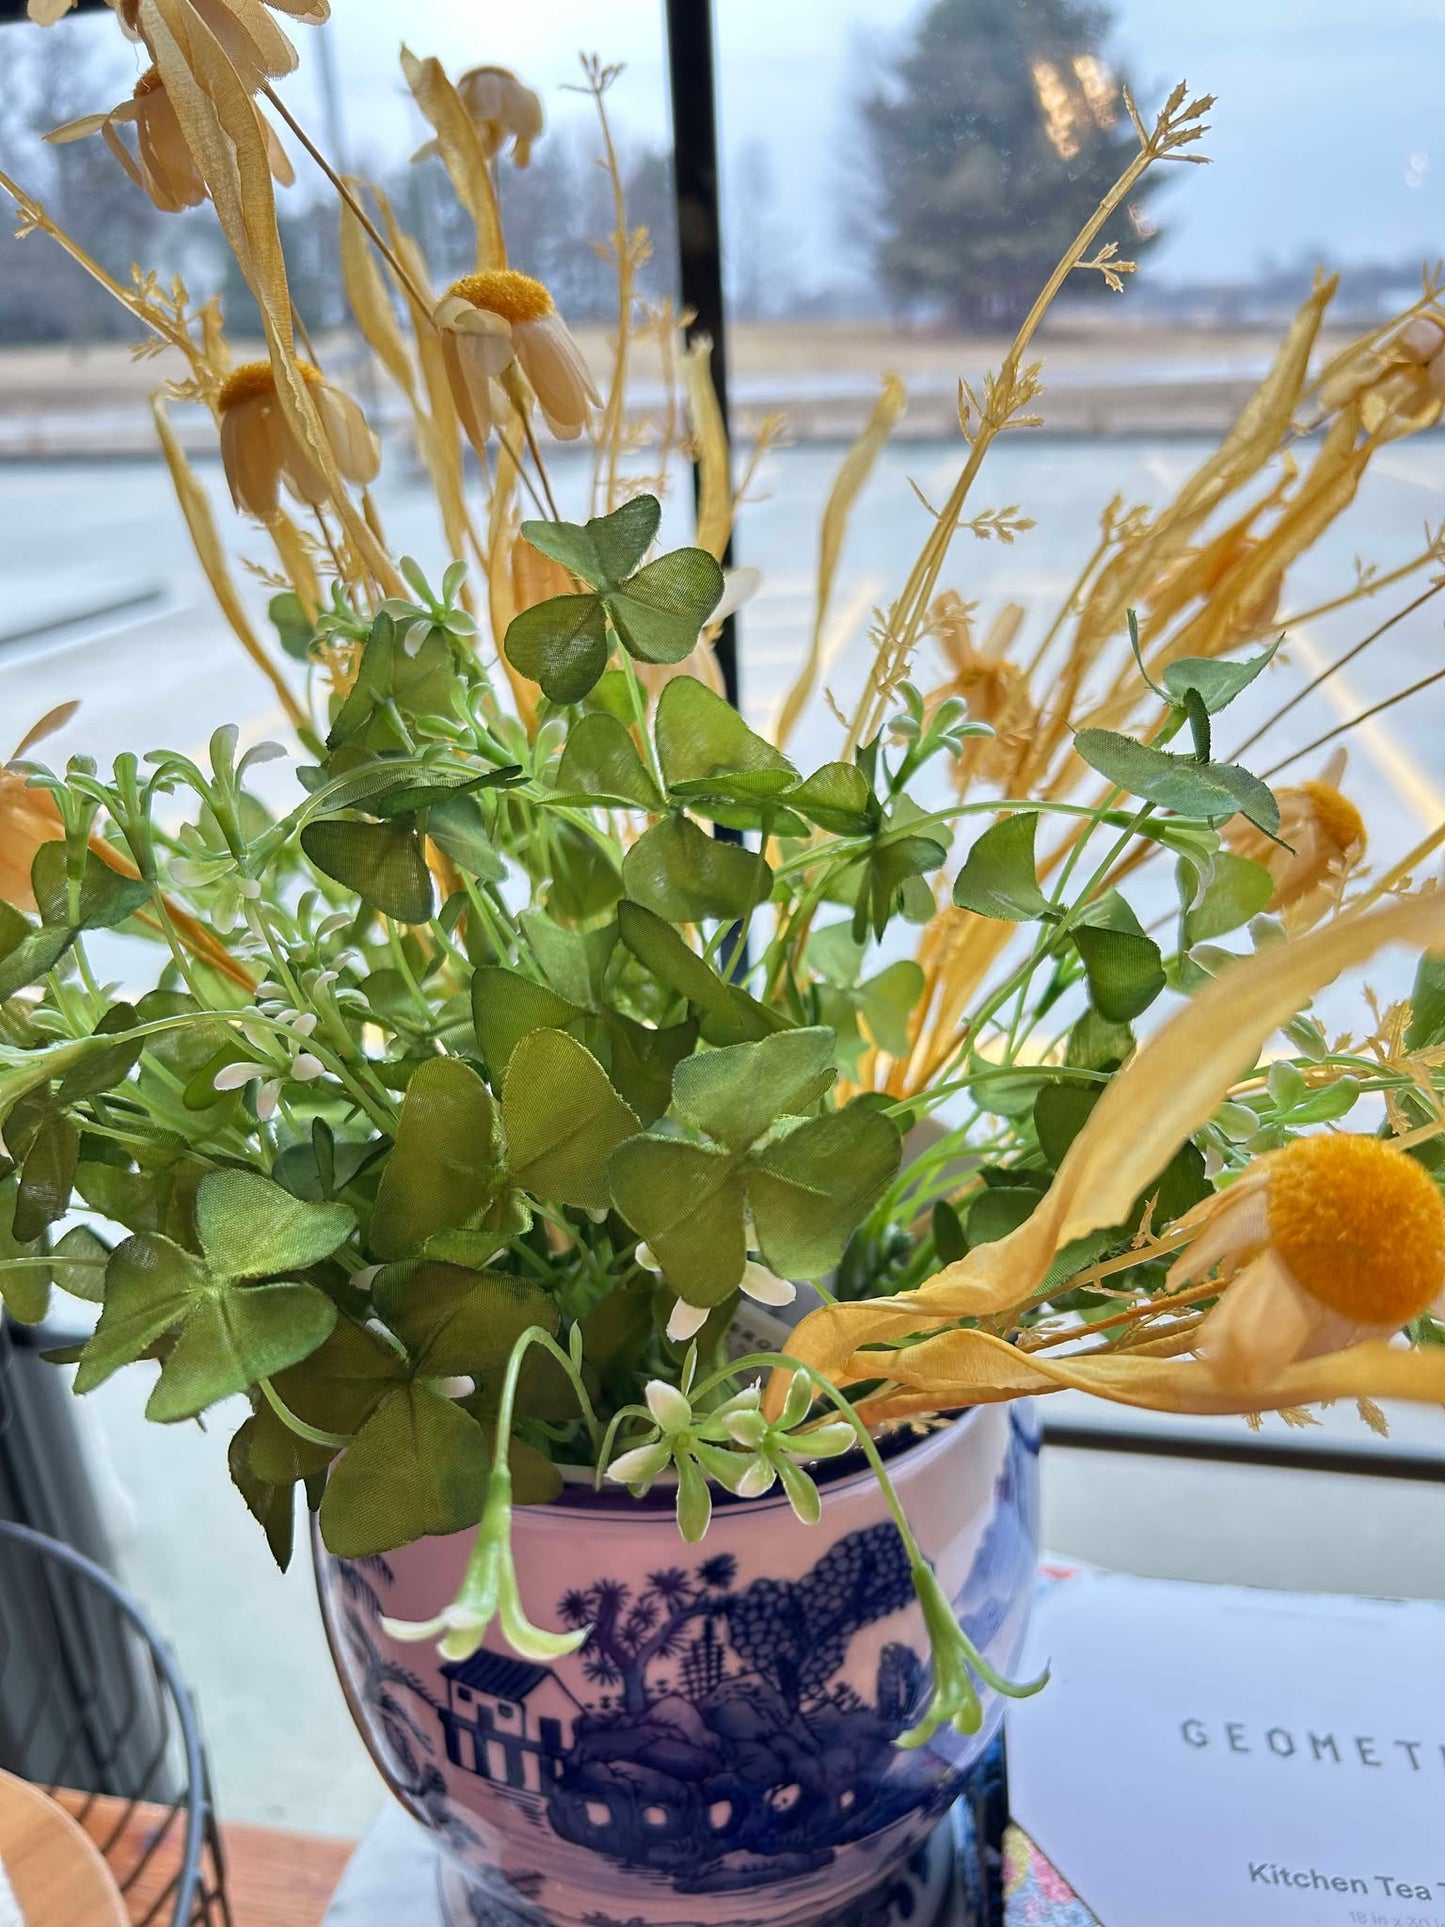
x=229 y=1333
x=656 y=611
x=808 y=1182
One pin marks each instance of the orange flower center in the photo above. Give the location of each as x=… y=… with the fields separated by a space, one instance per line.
x=515 y=297
x=256 y=381
x=1336 y=815
x=1360 y=1225
x=150 y=82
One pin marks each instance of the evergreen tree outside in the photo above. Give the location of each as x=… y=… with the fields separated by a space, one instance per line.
x=991 y=140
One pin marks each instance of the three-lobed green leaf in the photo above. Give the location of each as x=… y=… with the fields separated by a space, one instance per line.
x=229 y=1333
x=807 y=1182
x=999 y=877
x=656 y=611
x=1178 y=783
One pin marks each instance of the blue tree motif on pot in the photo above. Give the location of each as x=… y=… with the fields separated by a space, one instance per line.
x=741 y=1761
x=393 y=1692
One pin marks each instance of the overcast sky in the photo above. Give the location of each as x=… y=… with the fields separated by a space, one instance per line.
x=1327 y=134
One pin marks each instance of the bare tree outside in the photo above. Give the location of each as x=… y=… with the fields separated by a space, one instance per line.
x=51 y=79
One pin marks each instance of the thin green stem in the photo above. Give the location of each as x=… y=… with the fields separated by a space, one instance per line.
x=334 y=1441
x=535 y=1335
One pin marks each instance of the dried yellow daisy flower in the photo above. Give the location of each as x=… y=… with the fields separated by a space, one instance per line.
x=1326 y=1243
x=260 y=451
x=28 y=817
x=502 y=109
x=491 y=320
x=163 y=164
x=1326 y=838
x=251 y=40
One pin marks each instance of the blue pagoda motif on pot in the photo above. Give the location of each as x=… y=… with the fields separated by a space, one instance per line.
x=505 y=1719
x=719 y=1734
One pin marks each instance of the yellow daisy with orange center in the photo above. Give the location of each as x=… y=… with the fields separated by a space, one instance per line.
x=1330 y=1241
x=260 y=450
x=497 y=321
x=1321 y=840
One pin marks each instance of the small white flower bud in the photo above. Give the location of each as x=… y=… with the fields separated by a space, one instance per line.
x=232 y=1077
x=686 y=1321
x=667 y=1405
x=764 y=1286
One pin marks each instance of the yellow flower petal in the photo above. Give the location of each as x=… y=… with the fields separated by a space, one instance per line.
x=973 y=1368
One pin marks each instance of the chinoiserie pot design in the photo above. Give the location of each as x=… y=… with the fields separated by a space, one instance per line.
x=722 y=1749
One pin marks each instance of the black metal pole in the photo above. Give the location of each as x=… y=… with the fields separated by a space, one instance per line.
x=699 y=238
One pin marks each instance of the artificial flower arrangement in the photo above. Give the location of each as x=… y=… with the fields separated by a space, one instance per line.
x=448 y=1115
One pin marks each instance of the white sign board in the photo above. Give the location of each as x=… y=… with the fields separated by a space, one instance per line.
x=1212 y=1754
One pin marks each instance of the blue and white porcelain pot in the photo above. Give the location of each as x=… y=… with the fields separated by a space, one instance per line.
x=722 y=1749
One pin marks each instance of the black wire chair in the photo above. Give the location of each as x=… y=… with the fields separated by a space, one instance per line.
x=91 y=1700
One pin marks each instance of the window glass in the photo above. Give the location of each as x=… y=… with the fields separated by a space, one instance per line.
x=897 y=183
x=104 y=599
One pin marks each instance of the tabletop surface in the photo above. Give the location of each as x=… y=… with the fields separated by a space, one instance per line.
x=55 y=1872
x=273 y=1878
